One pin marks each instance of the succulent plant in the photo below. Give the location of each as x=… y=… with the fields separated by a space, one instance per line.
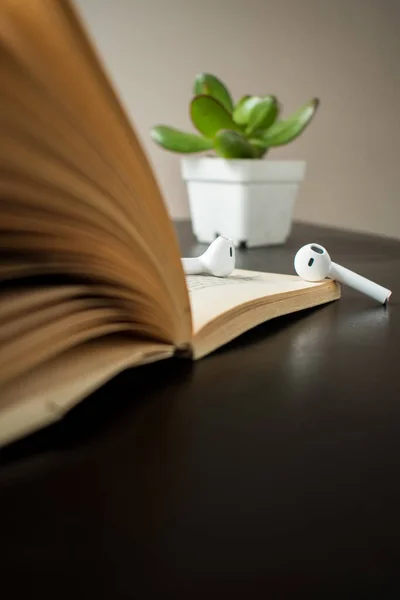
x=246 y=129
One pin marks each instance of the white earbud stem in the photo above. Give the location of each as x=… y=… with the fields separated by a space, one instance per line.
x=313 y=263
x=217 y=260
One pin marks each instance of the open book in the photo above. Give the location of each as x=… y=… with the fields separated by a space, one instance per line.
x=90 y=272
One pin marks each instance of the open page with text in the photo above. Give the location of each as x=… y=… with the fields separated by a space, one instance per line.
x=212 y=296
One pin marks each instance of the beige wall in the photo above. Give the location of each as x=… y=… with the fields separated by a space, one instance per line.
x=346 y=52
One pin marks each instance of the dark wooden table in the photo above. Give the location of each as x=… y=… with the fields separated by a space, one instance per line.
x=267 y=470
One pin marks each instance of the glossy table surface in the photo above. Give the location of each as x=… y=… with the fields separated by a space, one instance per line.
x=269 y=469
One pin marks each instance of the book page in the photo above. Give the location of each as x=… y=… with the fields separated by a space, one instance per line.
x=45 y=394
x=211 y=297
x=78 y=196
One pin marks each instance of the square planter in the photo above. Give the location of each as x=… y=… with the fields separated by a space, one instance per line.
x=249 y=201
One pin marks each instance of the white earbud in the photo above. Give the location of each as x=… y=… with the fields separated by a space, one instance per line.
x=218 y=259
x=313 y=263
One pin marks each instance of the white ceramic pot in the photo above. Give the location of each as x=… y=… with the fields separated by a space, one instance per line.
x=249 y=201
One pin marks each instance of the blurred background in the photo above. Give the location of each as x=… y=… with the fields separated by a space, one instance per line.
x=345 y=52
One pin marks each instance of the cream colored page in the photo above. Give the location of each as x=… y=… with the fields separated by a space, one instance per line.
x=211 y=296
x=45 y=394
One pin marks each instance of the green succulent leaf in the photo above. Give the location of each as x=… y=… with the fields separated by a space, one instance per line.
x=232 y=144
x=179 y=141
x=262 y=115
x=209 y=85
x=209 y=116
x=242 y=110
x=259 y=148
x=283 y=132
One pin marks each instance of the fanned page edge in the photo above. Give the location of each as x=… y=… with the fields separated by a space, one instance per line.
x=35 y=35
x=98 y=62
x=231 y=324
x=53 y=389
